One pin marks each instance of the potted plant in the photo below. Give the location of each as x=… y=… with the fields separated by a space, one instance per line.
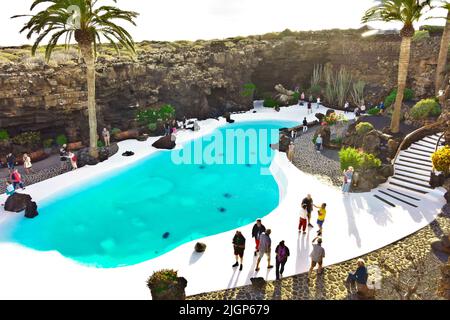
x=166 y=285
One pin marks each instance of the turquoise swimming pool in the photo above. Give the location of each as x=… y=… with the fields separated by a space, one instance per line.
x=144 y=211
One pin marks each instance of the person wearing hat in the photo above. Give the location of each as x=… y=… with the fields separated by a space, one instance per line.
x=317 y=255
x=280 y=261
x=359 y=277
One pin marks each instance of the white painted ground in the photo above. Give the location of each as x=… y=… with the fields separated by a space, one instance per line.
x=355 y=225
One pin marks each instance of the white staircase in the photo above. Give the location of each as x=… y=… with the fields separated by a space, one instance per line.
x=411 y=180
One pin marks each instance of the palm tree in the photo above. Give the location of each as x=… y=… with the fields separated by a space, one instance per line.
x=407 y=12
x=443 y=53
x=88 y=24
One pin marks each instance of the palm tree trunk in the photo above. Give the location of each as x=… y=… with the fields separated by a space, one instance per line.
x=403 y=66
x=88 y=54
x=443 y=54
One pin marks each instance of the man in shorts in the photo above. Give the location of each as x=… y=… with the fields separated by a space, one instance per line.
x=265 y=247
x=317 y=255
x=239 y=248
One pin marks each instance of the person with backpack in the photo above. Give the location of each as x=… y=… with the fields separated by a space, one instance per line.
x=282 y=255
x=258 y=229
x=305 y=125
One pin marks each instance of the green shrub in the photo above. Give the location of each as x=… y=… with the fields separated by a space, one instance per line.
x=420 y=35
x=166 y=112
x=363 y=128
x=390 y=100
x=4 y=135
x=271 y=103
x=351 y=157
x=374 y=111
x=100 y=144
x=296 y=97
x=337 y=141
x=249 y=90
x=161 y=280
x=48 y=143
x=425 y=108
x=115 y=131
x=369 y=161
x=61 y=140
x=28 y=139
x=441 y=160
x=152 y=127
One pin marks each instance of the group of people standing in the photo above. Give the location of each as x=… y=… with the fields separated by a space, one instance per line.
x=310 y=102
x=65 y=155
x=263 y=242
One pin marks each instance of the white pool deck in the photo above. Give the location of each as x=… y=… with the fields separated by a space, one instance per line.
x=355 y=225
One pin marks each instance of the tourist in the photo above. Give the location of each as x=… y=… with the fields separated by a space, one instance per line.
x=348 y=177
x=10 y=162
x=317 y=255
x=363 y=109
x=293 y=134
x=73 y=160
x=346 y=106
x=305 y=125
x=258 y=230
x=239 y=248
x=321 y=217
x=63 y=156
x=10 y=190
x=359 y=277
x=382 y=107
x=319 y=101
x=282 y=255
x=196 y=126
x=319 y=143
x=166 y=128
x=309 y=203
x=106 y=137
x=310 y=108
x=265 y=246
x=16 y=180
x=303 y=219
x=184 y=122
x=357 y=112
x=291 y=150
x=27 y=164
x=302 y=97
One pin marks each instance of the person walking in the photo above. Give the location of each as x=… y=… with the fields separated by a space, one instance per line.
x=309 y=203
x=16 y=180
x=10 y=162
x=303 y=219
x=166 y=128
x=382 y=107
x=73 y=160
x=282 y=255
x=27 y=165
x=265 y=246
x=317 y=255
x=348 y=178
x=346 y=107
x=305 y=125
x=258 y=230
x=302 y=97
x=322 y=214
x=239 y=248
x=359 y=277
x=319 y=102
x=319 y=143
x=63 y=156
x=106 y=137
x=309 y=108
x=291 y=151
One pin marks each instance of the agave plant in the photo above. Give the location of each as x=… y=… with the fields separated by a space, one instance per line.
x=88 y=24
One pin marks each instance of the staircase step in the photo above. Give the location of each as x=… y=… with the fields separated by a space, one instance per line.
x=409 y=158
x=404 y=194
x=397 y=198
x=418 y=183
x=417 y=173
x=426 y=143
x=419 y=154
x=385 y=201
x=410 y=167
x=431 y=139
x=417 y=147
x=417 y=165
x=407 y=186
x=416 y=177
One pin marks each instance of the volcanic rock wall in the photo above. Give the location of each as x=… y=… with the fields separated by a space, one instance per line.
x=200 y=79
